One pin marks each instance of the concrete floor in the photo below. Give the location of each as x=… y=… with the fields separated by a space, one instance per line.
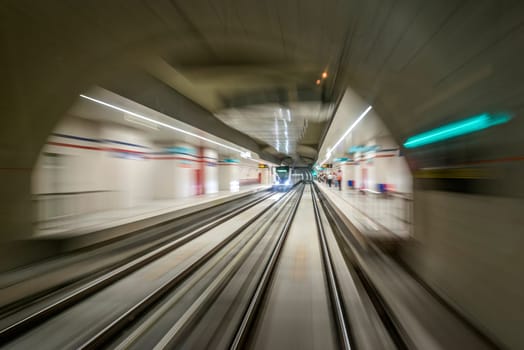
x=297 y=313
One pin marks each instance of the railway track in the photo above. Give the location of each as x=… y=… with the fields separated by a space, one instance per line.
x=23 y=287
x=23 y=316
x=281 y=272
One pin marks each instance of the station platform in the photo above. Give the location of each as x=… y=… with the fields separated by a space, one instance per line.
x=98 y=226
x=67 y=234
x=374 y=216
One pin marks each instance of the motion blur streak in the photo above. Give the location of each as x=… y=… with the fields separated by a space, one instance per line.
x=461 y=127
x=130 y=125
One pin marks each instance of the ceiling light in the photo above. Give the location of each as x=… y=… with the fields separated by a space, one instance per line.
x=351 y=127
x=317 y=82
x=160 y=123
x=330 y=150
x=324 y=75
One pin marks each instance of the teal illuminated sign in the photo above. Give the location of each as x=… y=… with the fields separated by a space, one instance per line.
x=182 y=150
x=363 y=149
x=458 y=128
x=338 y=160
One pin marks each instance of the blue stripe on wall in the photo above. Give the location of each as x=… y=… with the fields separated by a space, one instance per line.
x=87 y=139
x=80 y=138
x=123 y=143
x=76 y=137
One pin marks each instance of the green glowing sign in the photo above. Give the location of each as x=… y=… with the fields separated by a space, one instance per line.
x=458 y=128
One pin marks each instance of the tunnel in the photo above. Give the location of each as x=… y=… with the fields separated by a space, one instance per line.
x=367 y=89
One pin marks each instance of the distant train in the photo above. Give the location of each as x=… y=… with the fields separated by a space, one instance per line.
x=283 y=178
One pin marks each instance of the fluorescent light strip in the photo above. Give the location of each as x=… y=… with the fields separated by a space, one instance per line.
x=347 y=132
x=159 y=123
x=351 y=127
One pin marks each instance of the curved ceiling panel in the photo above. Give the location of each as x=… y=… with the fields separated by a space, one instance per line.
x=281 y=127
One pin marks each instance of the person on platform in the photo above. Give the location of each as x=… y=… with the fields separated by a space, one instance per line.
x=330 y=179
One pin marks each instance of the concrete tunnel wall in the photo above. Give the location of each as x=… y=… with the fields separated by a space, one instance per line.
x=467 y=235
x=468 y=238
x=428 y=65
x=467 y=231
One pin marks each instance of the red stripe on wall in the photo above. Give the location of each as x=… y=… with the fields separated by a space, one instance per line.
x=180 y=158
x=110 y=149
x=121 y=150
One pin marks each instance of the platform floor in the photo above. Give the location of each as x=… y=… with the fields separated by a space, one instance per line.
x=375 y=216
x=97 y=221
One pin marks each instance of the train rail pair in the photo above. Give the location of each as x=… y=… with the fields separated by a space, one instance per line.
x=219 y=298
x=22 y=315
x=118 y=324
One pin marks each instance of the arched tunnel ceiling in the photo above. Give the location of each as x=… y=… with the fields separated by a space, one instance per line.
x=251 y=64
x=419 y=63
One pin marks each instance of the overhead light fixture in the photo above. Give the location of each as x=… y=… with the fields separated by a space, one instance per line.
x=317 y=82
x=455 y=129
x=355 y=123
x=359 y=119
x=324 y=75
x=150 y=120
x=245 y=155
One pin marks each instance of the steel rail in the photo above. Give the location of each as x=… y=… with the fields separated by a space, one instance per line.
x=25 y=324
x=119 y=324
x=336 y=299
x=176 y=332
x=386 y=316
x=169 y=230
x=244 y=328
